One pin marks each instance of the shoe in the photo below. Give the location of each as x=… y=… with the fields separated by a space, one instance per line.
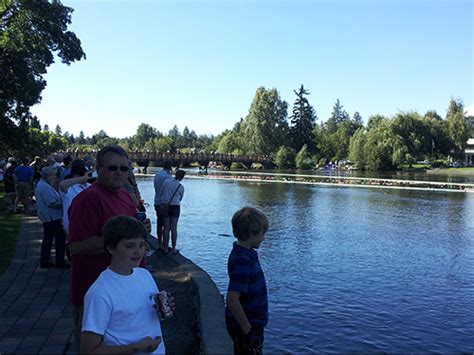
x=46 y=265
x=175 y=251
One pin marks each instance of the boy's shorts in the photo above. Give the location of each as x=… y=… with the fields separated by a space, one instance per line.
x=251 y=343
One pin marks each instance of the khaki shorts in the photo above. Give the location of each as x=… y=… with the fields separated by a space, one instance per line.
x=23 y=190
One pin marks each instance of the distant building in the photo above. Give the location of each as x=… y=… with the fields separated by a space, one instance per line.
x=470 y=152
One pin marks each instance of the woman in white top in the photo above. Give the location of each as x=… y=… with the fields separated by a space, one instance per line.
x=73 y=184
x=172 y=193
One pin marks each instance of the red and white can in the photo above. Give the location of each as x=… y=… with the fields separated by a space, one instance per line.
x=164 y=308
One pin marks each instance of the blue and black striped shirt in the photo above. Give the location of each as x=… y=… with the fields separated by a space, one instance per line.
x=246 y=276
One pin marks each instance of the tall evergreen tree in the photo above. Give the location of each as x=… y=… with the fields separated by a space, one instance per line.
x=302 y=122
x=58 y=130
x=338 y=116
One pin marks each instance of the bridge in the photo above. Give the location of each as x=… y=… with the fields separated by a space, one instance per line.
x=179 y=159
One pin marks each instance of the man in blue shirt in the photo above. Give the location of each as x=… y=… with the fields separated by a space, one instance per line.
x=24 y=185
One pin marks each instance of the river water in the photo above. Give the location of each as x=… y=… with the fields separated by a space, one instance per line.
x=347 y=269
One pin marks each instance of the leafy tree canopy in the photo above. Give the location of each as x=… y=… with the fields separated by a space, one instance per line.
x=30 y=32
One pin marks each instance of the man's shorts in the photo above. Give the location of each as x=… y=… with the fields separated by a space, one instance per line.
x=174 y=211
x=23 y=190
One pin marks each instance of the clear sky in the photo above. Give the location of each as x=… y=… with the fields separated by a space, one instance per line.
x=198 y=63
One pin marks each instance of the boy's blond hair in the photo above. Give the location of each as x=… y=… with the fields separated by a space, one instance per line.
x=248 y=222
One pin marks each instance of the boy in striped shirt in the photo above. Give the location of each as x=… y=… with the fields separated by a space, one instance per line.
x=247 y=303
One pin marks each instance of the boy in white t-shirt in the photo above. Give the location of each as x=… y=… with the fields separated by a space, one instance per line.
x=119 y=308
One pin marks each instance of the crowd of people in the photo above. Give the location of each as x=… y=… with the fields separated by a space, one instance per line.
x=94 y=213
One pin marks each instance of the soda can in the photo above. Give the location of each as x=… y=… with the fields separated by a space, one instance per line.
x=140 y=216
x=164 y=308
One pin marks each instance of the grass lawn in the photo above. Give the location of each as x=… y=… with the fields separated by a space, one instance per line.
x=9 y=226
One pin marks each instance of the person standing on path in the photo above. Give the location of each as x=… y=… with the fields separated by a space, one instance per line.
x=49 y=208
x=160 y=178
x=172 y=193
x=89 y=212
x=23 y=176
x=9 y=184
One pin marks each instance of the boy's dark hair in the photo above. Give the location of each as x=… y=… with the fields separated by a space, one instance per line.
x=110 y=149
x=78 y=167
x=167 y=165
x=180 y=175
x=122 y=227
x=67 y=160
x=247 y=222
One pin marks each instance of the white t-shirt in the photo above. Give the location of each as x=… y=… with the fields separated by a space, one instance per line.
x=121 y=308
x=67 y=198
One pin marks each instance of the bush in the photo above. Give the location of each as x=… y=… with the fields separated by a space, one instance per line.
x=303 y=160
x=285 y=158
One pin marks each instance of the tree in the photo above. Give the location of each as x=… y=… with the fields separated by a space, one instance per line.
x=145 y=132
x=338 y=116
x=303 y=158
x=357 y=148
x=46 y=128
x=379 y=147
x=357 y=118
x=373 y=121
x=82 y=138
x=58 y=130
x=302 y=122
x=284 y=158
x=30 y=32
x=158 y=144
x=34 y=122
x=229 y=143
x=411 y=136
x=266 y=125
x=174 y=134
x=457 y=127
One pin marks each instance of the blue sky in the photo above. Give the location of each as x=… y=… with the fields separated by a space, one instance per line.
x=199 y=63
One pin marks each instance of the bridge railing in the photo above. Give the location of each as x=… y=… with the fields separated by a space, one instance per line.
x=145 y=155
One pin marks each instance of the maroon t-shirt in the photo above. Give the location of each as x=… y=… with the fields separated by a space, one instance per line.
x=89 y=212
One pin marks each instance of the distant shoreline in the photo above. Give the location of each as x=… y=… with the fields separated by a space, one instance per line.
x=337 y=181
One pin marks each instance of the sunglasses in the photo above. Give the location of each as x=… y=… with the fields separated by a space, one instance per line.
x=113 y=168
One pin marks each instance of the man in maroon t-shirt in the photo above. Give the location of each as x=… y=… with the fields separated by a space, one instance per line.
x=88 y=213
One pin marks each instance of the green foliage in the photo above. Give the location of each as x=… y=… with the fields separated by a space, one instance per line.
x=229 y=142
x=303 y=159
x=457 y=127
x=379 y=148
x=145 y=133
x=266 y=127
x=161 y=144
x=357 y=148
x=285 y=158
x=302 y=122
x=338 y=116
x=31 y=31
x=42 y=143
x=412 y=136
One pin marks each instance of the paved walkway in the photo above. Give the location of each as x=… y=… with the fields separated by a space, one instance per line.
x=35 y=313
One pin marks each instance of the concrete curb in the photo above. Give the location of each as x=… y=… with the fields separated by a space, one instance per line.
x=214 y=336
